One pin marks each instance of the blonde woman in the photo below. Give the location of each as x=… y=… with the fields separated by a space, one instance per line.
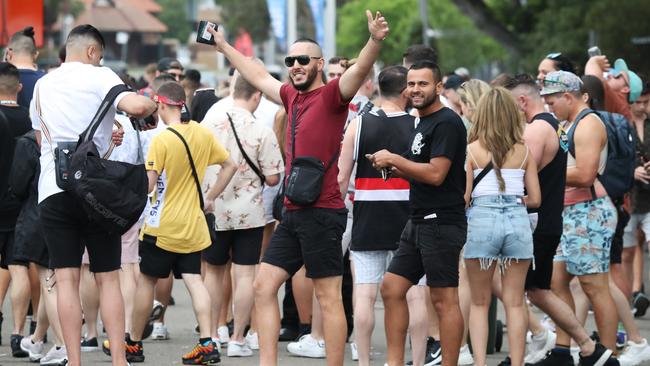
x=470 y=92
x=498 y=227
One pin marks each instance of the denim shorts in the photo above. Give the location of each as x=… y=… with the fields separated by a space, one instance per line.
x=587 y=236
x=498 y=228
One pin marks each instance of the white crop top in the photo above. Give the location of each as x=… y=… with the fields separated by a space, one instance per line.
x=489 y=185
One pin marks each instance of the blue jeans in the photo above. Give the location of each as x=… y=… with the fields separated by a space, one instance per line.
x=498 y=228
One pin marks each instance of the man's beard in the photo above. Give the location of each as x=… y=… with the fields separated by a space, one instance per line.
x=311 y=76
x=427 y=102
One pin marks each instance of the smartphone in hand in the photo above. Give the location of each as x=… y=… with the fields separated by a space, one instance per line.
x=202 y=34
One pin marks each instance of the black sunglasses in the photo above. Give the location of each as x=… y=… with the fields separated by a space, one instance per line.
x=302 y=60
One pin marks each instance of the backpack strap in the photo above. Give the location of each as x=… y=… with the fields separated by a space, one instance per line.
x=106 y=104
x=189 y=155
x=572 y=147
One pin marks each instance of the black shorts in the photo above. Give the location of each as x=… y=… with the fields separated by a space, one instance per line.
x=244 y=246
x=430 y=248
x=7 y=252
x=309 y=236
x=157 y=262
x=616 y=250
x=67 y=230
x=544 y=249
x=29 y=245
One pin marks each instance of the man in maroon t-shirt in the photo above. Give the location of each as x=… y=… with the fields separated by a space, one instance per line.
x=308 y=235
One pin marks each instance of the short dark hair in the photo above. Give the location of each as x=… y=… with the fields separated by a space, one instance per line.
x=23 y=41
x=160 y=80
x=193 y=78
x=562 y=62
x=510 y=82
x=593 y=86
x=9 y=78
x=340 y=60
x=392 y=81
x=306 y=40
x=425 y=64
x=243 y=89
x=646 y=87
x=173 y=91
x=87 y=30
x=420 y=52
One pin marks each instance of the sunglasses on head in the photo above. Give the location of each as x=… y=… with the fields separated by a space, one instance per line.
x=554 y=55
x=302 y=60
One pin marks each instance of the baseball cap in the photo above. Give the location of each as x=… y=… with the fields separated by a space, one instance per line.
x=635 y=83
x=453 y=82
x=560 y=82
x=167 y=63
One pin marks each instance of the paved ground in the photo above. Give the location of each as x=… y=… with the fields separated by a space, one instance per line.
x=181 y=323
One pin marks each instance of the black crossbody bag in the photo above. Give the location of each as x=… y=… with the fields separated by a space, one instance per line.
x=209 y=217
x=304 y=184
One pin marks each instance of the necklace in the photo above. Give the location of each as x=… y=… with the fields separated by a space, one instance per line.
x=8 y=102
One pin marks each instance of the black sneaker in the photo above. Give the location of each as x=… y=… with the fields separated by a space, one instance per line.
x=288 y=334
x=32 y=327
x=601 y=356
x=434 y=354
x=89 y=345
x=16 y=351
x=506 y=362
x=555 y=359
x=640 y=303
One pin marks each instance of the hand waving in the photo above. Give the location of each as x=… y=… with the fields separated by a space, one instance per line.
x=378 y=26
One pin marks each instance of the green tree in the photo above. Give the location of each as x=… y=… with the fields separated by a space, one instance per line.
x=174 y=16
x=459 y=44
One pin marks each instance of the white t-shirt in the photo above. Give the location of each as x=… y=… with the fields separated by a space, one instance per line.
x=264 y=114
x=69 y=98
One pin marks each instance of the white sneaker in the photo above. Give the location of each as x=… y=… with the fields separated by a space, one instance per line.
x=55 y=356
x=307 y=346
x=465 y=356
x=159 y=332
x=224 y=336
x=237 y=349
x=575 y=354
x=252 y=341
x=35 y=350
x=539 y=346
x=635 y=353
x=354 y=352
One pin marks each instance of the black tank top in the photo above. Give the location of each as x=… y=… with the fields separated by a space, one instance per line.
x=381 y=208
x=552 y=181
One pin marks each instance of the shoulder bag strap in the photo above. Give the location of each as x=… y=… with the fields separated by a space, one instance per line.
x=241 y=148
x=89 y=132
x=189 y=155
x=482 y=174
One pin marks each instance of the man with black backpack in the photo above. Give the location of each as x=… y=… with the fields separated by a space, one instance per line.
x=239 y=211
x=65 y=102
x=589 y=217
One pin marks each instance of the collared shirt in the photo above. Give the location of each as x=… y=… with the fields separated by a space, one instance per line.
x=240 y=205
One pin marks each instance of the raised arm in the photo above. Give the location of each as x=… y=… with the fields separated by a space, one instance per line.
x=352 y=78
x=596 y=66
x=252 y=71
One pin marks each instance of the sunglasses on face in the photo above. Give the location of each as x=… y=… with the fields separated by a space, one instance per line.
x=302 y=60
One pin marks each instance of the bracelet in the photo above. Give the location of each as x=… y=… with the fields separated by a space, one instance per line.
x=376 y=39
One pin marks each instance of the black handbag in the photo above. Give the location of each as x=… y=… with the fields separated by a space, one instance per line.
x=305 y=181
x=209 y=217
x=113 y=194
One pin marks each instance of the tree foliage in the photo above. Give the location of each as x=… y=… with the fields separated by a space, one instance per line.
x=174 y=16
x=460 y=43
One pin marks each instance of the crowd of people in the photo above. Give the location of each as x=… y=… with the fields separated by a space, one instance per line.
x=340 y=182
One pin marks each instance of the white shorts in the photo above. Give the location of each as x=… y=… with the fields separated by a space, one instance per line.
x=346 y=239
x=370 y=266
x=268 y=195
x=636 y=221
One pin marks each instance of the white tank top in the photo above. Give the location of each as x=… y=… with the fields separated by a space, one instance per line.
x=489 y=185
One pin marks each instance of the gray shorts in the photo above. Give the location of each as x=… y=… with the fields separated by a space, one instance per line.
x=370 y=266
x=641 y=221
x=268 y=195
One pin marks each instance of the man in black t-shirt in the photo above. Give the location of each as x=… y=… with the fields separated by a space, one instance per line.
x=435 y=233
x=19 y=124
